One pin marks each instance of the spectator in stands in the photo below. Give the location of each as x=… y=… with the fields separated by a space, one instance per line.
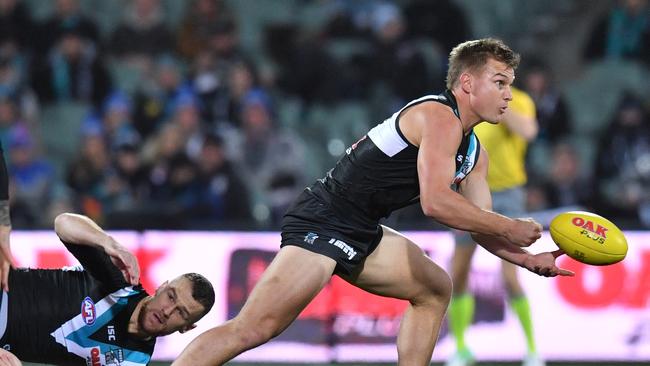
x=442 y=21
x=210 y=87
x=224 y=195
x=8 y=118
x=72 y=72
x=241 y=80
x=142 y=34
x=67 y=14
x=395 y=61
x=32 y=181
x=623 y=33
x=566 y=185
x=623 y=162
x=304 y=68
x=14 y=79
x=180 y=194
x=128 y=181
x=186 y=114
x=272 y=160
x=223 y=41
x=132 y=174
x=16 y=23
x=196 y=28
x=172 y=176
x=117 y=122
x=552 y=110
x=87 y=175
x=154 y=97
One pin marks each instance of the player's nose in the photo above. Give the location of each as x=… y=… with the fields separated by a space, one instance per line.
x=508 y=94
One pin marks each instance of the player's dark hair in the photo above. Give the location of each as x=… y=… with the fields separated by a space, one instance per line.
x=472 y=55
x=202 y=291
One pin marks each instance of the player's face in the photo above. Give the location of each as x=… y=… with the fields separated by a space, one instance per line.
x=490 y=90
x=171 y=309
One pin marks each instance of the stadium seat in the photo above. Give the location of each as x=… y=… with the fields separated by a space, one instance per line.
x=60 y=130
x=127 y=77
x=593 y=98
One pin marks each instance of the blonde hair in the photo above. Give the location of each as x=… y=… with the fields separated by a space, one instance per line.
x=472 y=55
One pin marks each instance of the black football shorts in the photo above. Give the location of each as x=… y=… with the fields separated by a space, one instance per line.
x=312 y=224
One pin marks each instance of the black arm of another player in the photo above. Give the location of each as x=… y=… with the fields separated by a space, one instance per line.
x=83 y=237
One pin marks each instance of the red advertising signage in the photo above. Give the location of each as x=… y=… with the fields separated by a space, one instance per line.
x=601 y=313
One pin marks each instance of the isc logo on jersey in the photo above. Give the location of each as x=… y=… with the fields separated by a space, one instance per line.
x=88 y=313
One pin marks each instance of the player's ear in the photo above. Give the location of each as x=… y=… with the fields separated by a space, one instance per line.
x=466 y=82
x=186 y=328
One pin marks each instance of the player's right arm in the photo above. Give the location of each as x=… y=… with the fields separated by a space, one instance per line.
x=437 y=132
x=80 y=230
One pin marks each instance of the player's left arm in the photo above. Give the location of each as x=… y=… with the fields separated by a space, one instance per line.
x=475 y=188
x=84 y=238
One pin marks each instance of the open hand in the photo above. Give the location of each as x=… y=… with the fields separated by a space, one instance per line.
x=543 y=264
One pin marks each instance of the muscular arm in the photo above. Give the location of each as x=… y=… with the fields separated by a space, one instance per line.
x=80 y=230
x=439 y=135
x=476 y=190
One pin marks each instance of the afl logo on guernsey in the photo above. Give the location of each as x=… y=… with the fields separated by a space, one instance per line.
x=88 y=311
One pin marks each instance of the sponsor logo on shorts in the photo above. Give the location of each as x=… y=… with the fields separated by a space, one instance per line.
x=310 y=237
x=88 y=311
x=348 y=250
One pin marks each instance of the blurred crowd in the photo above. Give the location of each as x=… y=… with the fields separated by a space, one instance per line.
x=181 y=115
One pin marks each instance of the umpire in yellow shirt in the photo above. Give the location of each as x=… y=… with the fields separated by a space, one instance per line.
x=506 y=145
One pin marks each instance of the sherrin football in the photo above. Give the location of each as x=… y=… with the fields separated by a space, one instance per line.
x=588 y=238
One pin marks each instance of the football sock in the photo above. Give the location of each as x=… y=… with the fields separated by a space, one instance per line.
x=521 y=307
x=461 y=313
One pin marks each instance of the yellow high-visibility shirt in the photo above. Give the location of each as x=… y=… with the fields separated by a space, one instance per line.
x=506 y=150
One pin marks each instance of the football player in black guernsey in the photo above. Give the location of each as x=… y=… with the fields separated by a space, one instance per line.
x=425 y=153
x=98 y=313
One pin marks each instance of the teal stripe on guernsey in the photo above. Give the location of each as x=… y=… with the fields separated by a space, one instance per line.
x=471 y=151
x=470 y=156
x=82 y=336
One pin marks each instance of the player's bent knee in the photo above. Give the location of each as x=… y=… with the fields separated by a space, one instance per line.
x=437 y=291
x=444 y=289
